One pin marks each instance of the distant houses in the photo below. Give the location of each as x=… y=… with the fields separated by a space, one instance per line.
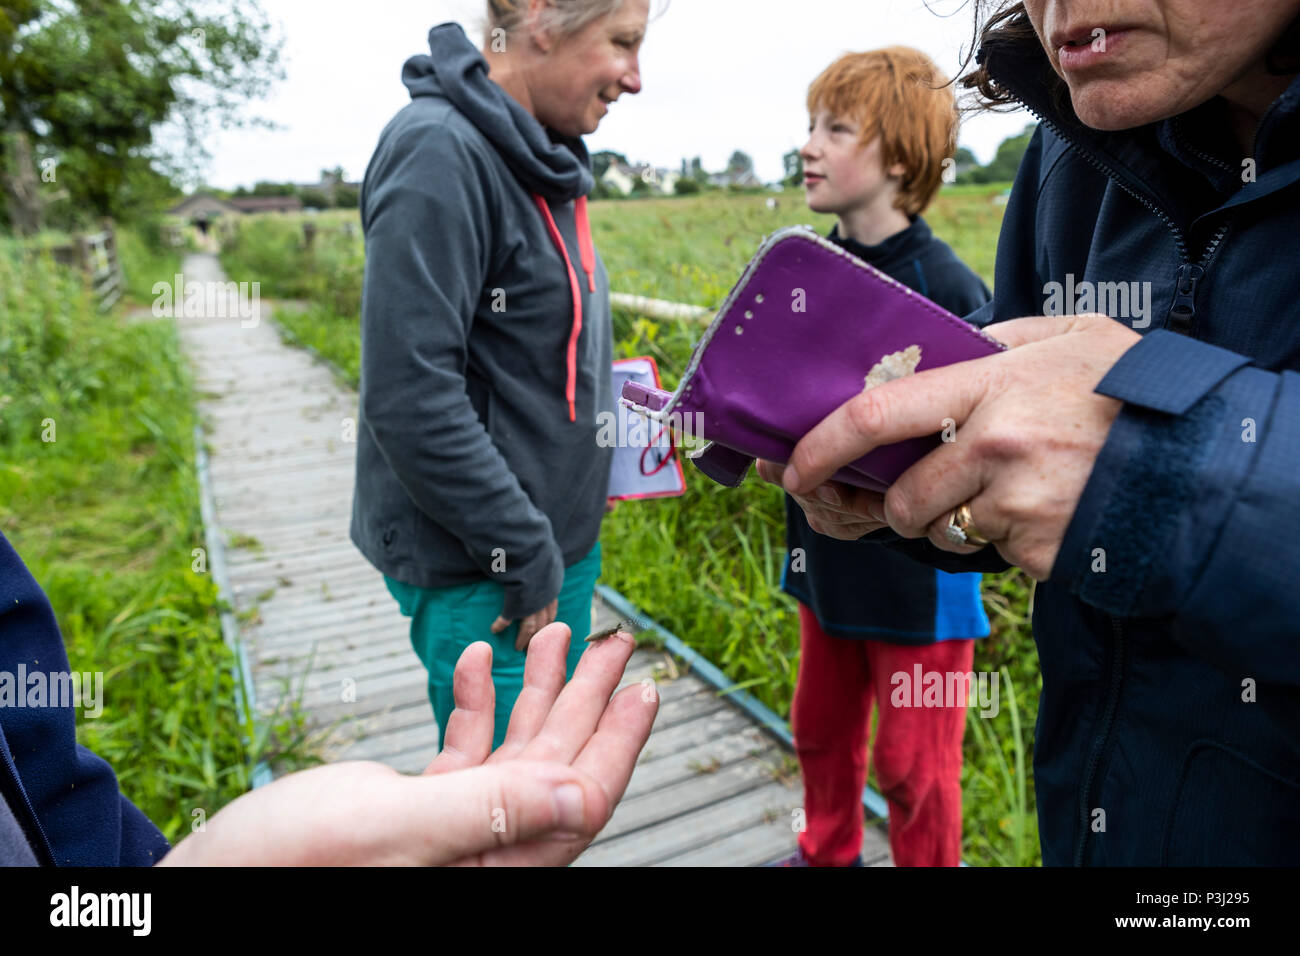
x=251 y=204
x=206 y=206
x=332 y=191
x=622 y=178
x=201 y=206
x=616 y=177
x=738 y=178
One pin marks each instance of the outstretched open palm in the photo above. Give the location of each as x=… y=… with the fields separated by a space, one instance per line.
x=538 y=800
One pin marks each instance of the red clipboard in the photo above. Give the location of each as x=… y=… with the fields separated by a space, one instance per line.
x=647 y=462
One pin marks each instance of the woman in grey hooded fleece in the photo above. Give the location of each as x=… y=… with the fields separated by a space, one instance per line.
x=486 y=338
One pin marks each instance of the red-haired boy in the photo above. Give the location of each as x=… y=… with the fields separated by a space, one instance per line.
x=882 y=124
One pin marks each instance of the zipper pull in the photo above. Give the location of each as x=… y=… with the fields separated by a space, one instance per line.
x=1183 y=312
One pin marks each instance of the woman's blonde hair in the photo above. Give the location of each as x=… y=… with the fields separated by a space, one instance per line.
x=563 y=17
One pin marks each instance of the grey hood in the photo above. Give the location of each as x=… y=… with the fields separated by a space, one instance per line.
x=486 y=342
x=555 y=166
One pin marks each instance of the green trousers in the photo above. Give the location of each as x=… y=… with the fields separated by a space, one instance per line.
x=445 y=621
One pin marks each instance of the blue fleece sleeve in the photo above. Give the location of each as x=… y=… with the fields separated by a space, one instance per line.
x=1191 y=509
x=428 y=214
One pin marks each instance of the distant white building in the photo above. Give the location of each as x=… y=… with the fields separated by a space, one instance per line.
x=736 y=177
x=619 y=178
x=622 y=178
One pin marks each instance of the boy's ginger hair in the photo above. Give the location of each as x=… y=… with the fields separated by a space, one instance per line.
x=898 y=94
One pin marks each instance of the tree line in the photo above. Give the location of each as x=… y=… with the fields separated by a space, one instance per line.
x=694 y=178
x=105 y=104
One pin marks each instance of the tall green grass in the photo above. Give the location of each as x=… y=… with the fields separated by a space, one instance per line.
x=708 y=565
x=272 y=249
x=98 y=495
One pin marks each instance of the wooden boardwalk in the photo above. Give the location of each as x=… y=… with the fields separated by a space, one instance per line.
x=318 y=624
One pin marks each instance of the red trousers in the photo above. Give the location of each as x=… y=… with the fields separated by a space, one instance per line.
x=917 y=750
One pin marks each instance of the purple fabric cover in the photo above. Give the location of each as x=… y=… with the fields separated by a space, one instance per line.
x=794 y=341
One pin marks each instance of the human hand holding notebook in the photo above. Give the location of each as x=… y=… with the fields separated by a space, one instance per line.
x=807 y=327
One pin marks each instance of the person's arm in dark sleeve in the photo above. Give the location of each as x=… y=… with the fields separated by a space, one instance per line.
x=68 y=796
x=986 y=560
x=1191 y=509
x=428 y=219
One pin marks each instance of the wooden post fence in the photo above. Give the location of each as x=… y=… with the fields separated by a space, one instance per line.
x=96 y=256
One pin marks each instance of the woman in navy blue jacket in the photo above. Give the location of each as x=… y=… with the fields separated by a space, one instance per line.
x=1143 y=465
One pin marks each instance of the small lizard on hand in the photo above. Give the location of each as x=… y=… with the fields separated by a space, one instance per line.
x=610 y=631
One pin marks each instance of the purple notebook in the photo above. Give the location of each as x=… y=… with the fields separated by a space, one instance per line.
x=807 y=327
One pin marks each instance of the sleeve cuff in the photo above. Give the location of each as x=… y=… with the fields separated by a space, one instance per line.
x=1164 y=482
x=1168 y=372
x=538 y=584
x=982 y=316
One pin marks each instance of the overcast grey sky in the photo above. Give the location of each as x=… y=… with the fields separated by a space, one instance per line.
x=717 y=75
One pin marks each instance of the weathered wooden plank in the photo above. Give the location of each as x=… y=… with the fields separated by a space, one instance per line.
x=666 y=742
x=282 y=527
x=368 y=694
x=763 y=844
x=683 y=707
x=644 y=664
x=310 y=587
x=340 y=713
x=245 y=461
x=289 y=528
x=349 y=607
x=692 y=793
x=753 y=846
x=688 y=762
x=411 y=714
x=302 y=487
x=244 y=501
x=349 y=677
x=281 y=570
x=766 y=805
x=257 y=445
x=344 y=646
x=354 y=668
x=376 y=707
x=377 y=746
x=296 y=559
x=310 y=590
x=364 y=638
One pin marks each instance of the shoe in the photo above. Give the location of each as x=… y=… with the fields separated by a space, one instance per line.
x=797 y=858
x=794 y=859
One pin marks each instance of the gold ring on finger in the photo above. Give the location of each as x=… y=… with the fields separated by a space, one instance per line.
x=961 y=528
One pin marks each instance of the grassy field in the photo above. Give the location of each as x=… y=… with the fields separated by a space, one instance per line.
x=708 y=565
x=693 y=249
x=98 y=495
